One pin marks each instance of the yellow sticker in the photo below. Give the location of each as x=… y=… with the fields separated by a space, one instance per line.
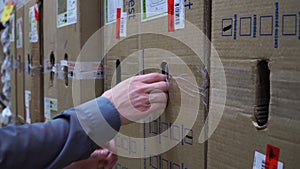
x=8 y=9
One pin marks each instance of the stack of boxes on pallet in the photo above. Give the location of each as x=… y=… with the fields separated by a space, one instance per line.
x=88 y=47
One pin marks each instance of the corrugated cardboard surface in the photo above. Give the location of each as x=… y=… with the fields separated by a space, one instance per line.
x=260 y=30
x=149 y=51
x=50 y=45
x=34 y=81
x=13 y=76
x=70 y=40
x=20 y=71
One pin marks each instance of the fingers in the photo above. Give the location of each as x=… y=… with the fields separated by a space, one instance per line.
x=156 y=87
x=151 y=78
x=104 y=158
x=100 y=154
x=111 y=161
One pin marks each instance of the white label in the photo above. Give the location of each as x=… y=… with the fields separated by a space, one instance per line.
x=50 y=108
x=123 y=25
x=179 y=14
x=27 y=105
x=33 y=34
x=66 y=12
x=12 y=33
x=111 y=10
x=19 y=33
x=64 y=63
x=259 y=161
x=152 y=9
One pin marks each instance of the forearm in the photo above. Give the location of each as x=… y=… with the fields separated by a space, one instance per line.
x=56 y=143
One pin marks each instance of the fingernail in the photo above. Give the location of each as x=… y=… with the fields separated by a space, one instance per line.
x=104 y=152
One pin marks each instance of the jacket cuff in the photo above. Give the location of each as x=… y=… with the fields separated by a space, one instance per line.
x=99 y=119
x=109 y=112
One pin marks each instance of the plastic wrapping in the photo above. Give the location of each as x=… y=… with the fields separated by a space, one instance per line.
x=6 y=89
x=6 y=116
x=5 y=76
x=6 y=64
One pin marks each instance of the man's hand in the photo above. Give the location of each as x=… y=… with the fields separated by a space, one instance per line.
x=139 y=96
x=99 y=158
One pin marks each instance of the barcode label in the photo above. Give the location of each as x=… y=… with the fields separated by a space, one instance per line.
x=179 y=14
x=123 y=25
x=260 y=163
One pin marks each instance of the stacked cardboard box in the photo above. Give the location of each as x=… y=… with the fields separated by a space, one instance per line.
x=258 y=43
x=117 y=67
x=13 y=74
x=33 y=78
x=20 y=61
x=71 y=35
x=17 y=55
x=147 y=45
x=50 y=59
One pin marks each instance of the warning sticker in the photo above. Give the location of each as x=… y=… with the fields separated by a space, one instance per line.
x=123 y=25
x=66 y=12
x=111 y=10
x=176 y=15
x=152 y=9
x=260 y=162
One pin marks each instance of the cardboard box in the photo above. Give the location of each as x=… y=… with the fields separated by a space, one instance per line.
x=71 y=35
x=34 y=77
x=13 y=74
x=146 y=46
x=257 y=42
x=17 y=74
x=20 y=61
x=50 y=60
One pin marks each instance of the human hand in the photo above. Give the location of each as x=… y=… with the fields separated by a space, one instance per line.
x=98 y=159
x=139 y=96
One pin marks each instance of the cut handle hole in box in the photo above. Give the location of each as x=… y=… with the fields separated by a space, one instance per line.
x=118 y=71
x=66 y=70
x=262 y=99
x=52 y=64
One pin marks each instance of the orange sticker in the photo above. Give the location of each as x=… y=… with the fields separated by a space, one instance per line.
x=171 y=24
x=118 y=24
x=272 y=157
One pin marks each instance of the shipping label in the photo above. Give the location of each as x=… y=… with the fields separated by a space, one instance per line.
x=66 y=12
x=111 y=10
x=152 y=9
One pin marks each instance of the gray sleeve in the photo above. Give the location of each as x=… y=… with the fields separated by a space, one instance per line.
x=59 y=142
